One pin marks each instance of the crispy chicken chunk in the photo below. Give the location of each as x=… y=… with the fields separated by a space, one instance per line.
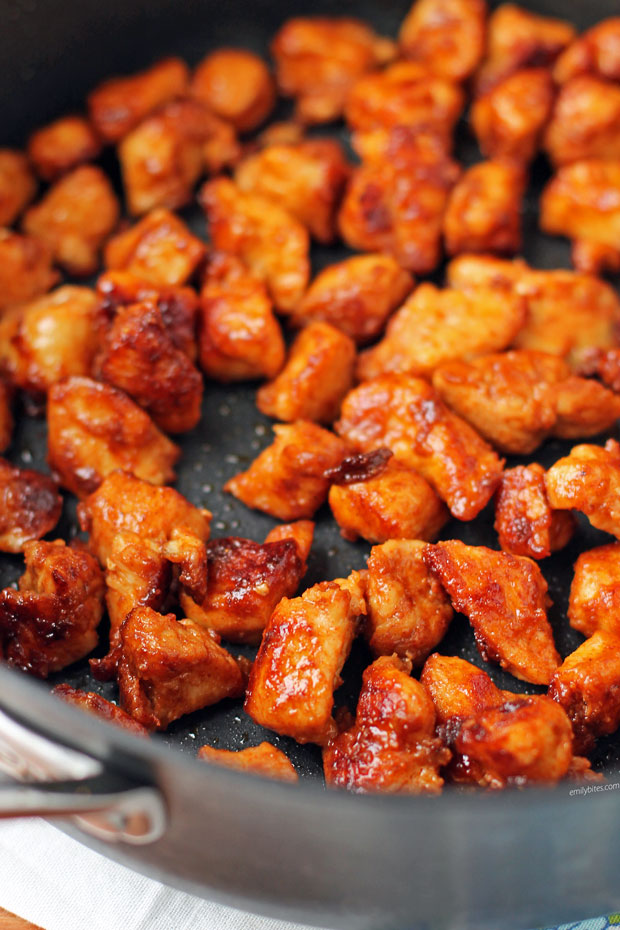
x=408 y=416
x=297 y=669
x=63 y=145
x=30 y=506
x=604 y=363
x=389 y=502
x=392 y=746
x=484 y=209
x=51 y=620
x=317 y=375
x=437 y=326
x=595 y=592
x=596 y=51
x=408 y=611
x=119 y=104
x=524 y=519
x=264 y=760
x=589 y=480
x=17 y=185
x=595 y=257
x=95 y=429
x=458 y=689
x=25 y=268
x=586 y=121
x=239 y=335
x=582 y=201
x=446 y=36
x=236 y=85
x=287 y=480
x=169 y=667
x=318 y=59
x=584 y=408
x=94 y=704
x=505 y=599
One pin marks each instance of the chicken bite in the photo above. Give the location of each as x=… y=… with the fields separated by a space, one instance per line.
x=484 y=209
x=604 y=363
x=596 y=51
x=51 y=620
x=297 y=669
x=95 y=429
x=588 y=479
x=446 y=36
x=92 y=703
x=407 y=415
x=585 y=123
x=582 y=202
x=594 y=258
x=236 y=85
x=458 y=689
x=62 y=145
x=30 y=506
x=287 y=480
x=264 y=760
x=505 y=599
x=436 y=326
x=594 y=602
x=584 y=408
x=17 y=185
x=318 y=59
x=25 y=268
x=526 y=523
x=392 y=746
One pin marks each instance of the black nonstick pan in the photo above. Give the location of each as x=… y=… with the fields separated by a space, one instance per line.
x=463 y=860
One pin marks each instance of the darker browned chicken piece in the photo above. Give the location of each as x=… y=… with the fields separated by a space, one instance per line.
x=524 y=519
x=236 y=85
x=594 y=602
x=264 y=760
x=446 y=36
x=588 y=479
x=585 y=123
x=17 y=185
x=596 y=51
x=62 y=145
x=30 y=506
x=94 y=704
x=25 y=268
x=459 y=690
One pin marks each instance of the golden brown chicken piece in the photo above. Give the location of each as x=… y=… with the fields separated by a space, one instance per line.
x=95 y=429
x=596 y=51
x=395 y=203
x=30 y=506
x=271 y=242
x=595 y=592
x=317 y=375
x=169 y=667
x=525 y=521
x=6 y=415
x=584 y=408
x=75 y=217
x=318 y=59
x=508 y=121
x=587 y=686
x=392 y=746
x=458 y=689
x=381 y=499
x=518 y=38
x=594 y=258
x=505 y=599
x=62 y=145
x=446 y=36
x=408 y=611
x=604 y=363
x=436 y=326
x=582 y=201
x=306 y=178
x=297 y=669
x=236 y=85
x=119 y=104
x=51 y=620
x=585 y=123
x=356 y=295
x=287 y=480
x=159 y=248
x=282 y=132
x=245 y=582
x=17 y=185
x=264 y=760
x=25 y=268
x=140 y=358
x=239 y=335
x=408 y=416
x=94 y=704
x=589 y=480
x=484 y=209
x=51 y=338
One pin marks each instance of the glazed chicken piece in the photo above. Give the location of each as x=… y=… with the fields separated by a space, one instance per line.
x=436 y=326
x=392 y=746
x=287 y=480
x=6 y=415
x=160 y=249
x=596 y=51
x=407 y=415
x=51 y=338
x=459 y=690
x=264 y=760
x=17 y=185
x=119 y=104
x=25 y=268
x=169 y=667
x=378 y=498
x=318 y=59
x=94 y=704
x=604 y=363
x=30 y=506
x=408 y=611
x=595 y=592
x=446 y=36
x=588 y=479
x=62 y=145
x=484 y=209
x=585 y=123
x=316 y=376
x=236 y=85
x=584 y=408
x=297 y=669
x=526 y=523
x=271 y=242
x=239 y=335
x=74 y=218
x=395 y=202
x=356 y=295
x=594 y=258
x=140 y=358
x=95 y=429
x=306 y=178
x=51 y=620
x=505 y=599
x=518 y=38
x=508 y=121
x=246 y=580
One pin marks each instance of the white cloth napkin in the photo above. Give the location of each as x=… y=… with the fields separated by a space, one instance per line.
x=52 y=880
